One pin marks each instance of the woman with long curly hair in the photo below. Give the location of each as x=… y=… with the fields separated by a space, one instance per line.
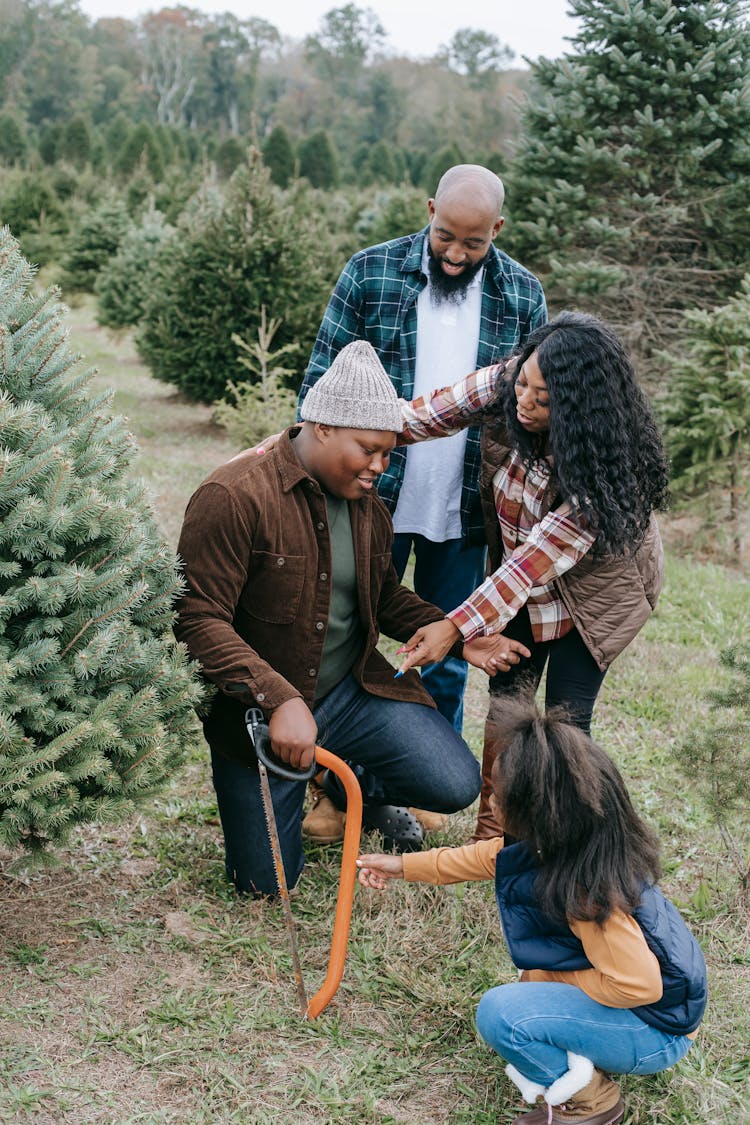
x=572 y=470
x=612 y=979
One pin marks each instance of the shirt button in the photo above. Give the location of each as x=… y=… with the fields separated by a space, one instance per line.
x=321 y=526
x=319 y=625
x=323 y=577
x=260 y=696
x=279 y=562
x=311 y=672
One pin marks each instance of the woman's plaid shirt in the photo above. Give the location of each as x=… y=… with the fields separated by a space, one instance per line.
x=537 y=547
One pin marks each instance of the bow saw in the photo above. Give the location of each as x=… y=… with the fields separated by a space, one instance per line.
x=259 y=736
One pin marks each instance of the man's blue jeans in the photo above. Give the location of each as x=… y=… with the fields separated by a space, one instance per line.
x=411 y=756
x=533 y=1024
x=444 y=574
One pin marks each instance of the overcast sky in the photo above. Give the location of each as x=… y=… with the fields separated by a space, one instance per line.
x=529 y=27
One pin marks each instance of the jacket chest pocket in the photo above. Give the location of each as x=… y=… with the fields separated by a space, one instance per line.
x=380 y=564
x=274 y=587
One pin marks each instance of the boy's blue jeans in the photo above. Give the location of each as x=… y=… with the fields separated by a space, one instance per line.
x=411 y=756
x=533 y=1024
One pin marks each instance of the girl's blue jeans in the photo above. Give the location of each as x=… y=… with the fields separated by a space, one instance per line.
x=534 y=1024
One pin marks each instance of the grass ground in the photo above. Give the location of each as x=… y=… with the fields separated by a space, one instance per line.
x=134 y=987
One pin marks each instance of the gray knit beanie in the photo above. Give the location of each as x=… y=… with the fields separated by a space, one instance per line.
x=355 y=392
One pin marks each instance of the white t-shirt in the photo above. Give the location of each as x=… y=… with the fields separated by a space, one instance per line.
x=429 y=501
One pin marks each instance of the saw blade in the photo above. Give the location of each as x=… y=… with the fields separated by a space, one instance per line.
x=278 y=862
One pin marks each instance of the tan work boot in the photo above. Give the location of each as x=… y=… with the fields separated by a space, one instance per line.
x=598 y=1103
x=324 y=823
x=487 y=827
x=430 y=821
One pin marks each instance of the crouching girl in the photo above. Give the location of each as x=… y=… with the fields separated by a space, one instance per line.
x=612 y=980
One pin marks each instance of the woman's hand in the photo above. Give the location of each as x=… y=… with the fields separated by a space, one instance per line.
x=263 y=446
x=429 y=644
x=376 y=870
x=496 y=653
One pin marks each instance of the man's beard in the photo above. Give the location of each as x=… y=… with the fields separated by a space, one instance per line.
x=446 y=288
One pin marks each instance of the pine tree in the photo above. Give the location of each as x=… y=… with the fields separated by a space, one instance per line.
x=94 y=242
x=706 y=406
x=278 y=156
x=117 y=133
x=76 y=142
x=141 y=149
x=231 y=255
x=50 y=143
x=31 y=208
x=443 y=159
x=96 y=698
x=318 y=162
x=122 y=283
x=628 y=193
x=12 y=141
x=228 y=156
x=392 y=213
x=375 y=164
x=24 y=198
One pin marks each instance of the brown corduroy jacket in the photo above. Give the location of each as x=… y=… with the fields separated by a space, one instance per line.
x=257 y=561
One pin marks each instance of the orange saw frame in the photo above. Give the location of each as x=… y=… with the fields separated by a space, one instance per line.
x=347 y=881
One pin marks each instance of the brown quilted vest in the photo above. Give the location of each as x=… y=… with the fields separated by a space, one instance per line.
x=608 y=598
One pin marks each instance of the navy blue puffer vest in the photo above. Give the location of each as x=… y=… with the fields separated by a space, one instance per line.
x=536 y=941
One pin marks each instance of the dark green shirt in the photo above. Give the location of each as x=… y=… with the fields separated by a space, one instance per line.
x=344 y=638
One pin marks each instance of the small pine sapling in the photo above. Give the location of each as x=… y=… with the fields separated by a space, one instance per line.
x=264 y=406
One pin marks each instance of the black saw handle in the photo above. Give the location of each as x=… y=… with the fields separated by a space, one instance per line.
x=259 y=736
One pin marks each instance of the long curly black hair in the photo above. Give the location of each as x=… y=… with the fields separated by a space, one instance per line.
x=607 y=451
x=560 y=794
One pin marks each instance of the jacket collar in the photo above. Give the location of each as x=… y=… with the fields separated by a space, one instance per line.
x=496 y=266
x=291 y=470
x=412 y=262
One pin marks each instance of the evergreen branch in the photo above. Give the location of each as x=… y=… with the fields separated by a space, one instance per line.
x=102 y=617
x=138 y=761
x=37 y=343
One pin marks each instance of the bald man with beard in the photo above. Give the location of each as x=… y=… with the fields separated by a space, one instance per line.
x=436 y=305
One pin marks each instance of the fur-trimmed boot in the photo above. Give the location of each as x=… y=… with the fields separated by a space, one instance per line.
x=581 y=1096
x=487 y=827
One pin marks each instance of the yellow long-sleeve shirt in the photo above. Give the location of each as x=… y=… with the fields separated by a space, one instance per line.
x=624 y=974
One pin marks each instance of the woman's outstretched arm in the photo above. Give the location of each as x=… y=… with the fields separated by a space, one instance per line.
x=450 y=409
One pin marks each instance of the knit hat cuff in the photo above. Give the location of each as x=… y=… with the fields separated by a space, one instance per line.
x=352 y=413
x=354 y=393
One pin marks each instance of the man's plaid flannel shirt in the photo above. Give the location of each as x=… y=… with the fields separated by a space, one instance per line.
x=537 y=547
x=375 y=299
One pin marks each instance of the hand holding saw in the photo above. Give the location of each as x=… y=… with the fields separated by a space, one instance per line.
x=259 y=736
